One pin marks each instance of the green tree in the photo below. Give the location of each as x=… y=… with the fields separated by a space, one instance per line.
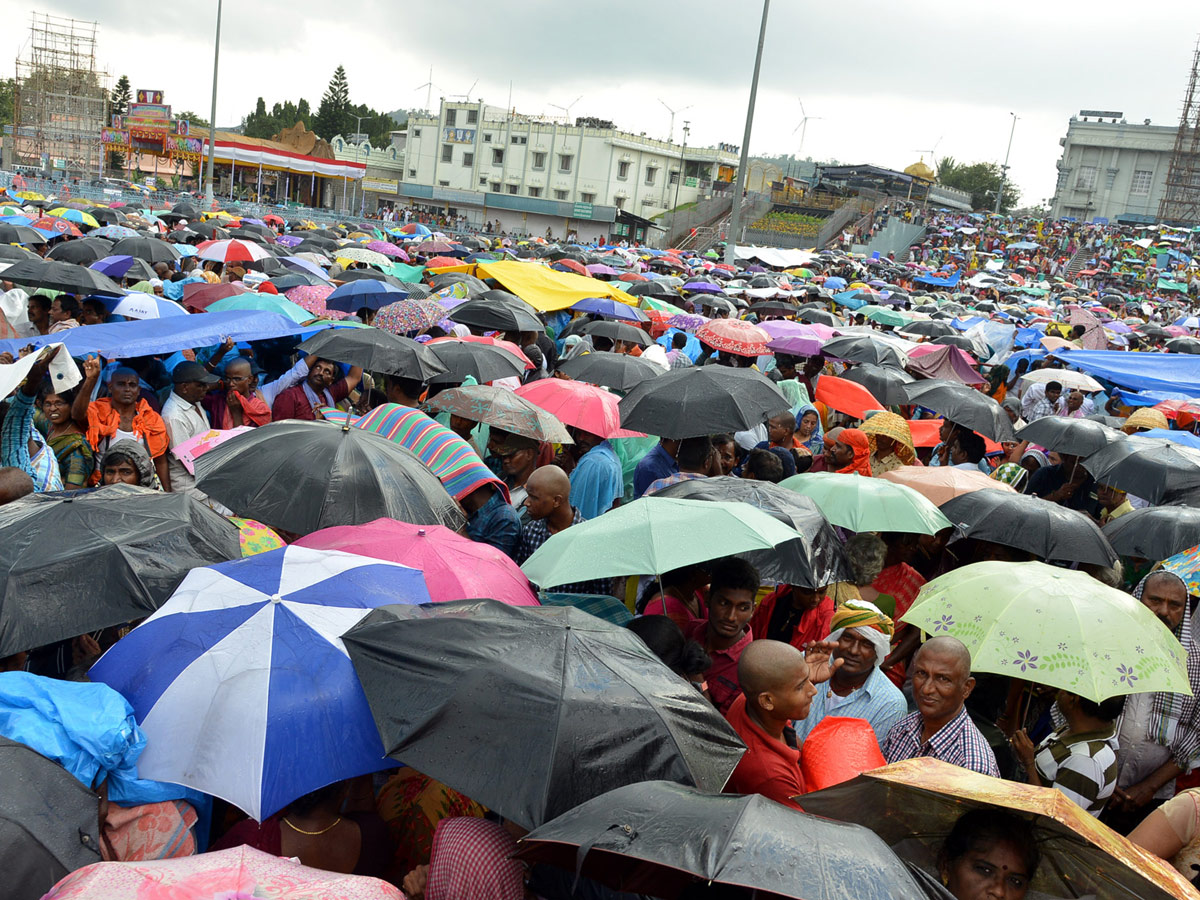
x=7 y=91
x=122 y=96
x=333 y=115
x=981 y=180
x=260 y=123
x=193 y=118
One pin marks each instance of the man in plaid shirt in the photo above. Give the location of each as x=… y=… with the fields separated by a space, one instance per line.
x=548 y=502
x=941 y=728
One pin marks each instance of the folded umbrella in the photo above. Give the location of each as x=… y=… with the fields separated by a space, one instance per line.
x=964 y=406
x=613 y=370
x=376 y=351
x=1154 y=532
x=701 y=400
x=501 y=408
x=1047 y=530
x=1076 y=437
x=577 y=405
x=1145 y=467
x=868 y=504
x=533 y=687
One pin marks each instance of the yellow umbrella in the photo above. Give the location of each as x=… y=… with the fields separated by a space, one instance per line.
x=78 y=216
x=921 y=799
x=255 y=537
x=29 y=195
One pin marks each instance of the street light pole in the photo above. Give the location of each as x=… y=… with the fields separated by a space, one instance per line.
x=1004 y=169
x=357 y=147
x=212 y=121
x=682 y=174
x=735 y=214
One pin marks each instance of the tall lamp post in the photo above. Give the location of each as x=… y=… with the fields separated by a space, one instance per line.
x=682 y=174
x=735 y=215
x=1004 y=169
x=212 y=121
x=358 y=135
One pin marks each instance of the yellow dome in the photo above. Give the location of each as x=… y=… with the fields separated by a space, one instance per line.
x=920 y=170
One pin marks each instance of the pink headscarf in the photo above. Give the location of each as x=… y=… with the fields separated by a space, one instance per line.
x=470 y=861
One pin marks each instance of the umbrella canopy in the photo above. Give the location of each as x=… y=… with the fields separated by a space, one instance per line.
x=940 y=484
x=433 y=673
x=653 y=535
x=483 y=362
x=502 y=409
x=845 y=396
x=151 y=250
x=376 y=351
x=1066 y=377
x=123 y=267
x=964 y=406
x=48 y=822
x=865 y=349
x=1053 y=626
x=303 y=476
x=576 y=405
x=1075 y=437
x=136 y=305
x=354 y=295
x=129 y=548
x=1155 y=532
x=1045 y=529
x=922 y=798
x=609 y=308
x=613 y=370
x=813 y=560
x=1145 y=467
x=83 y=251
x=701 y=400
x=246 y=655
x=61 y=276
x=497 y=311
x=884 y=383
x=734 y=336
x=617 y=331
x=232 y=251
x=868 y=504
x=455 y=567
x=659 y=838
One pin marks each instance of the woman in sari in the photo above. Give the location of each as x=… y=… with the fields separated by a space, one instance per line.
x=76 y=461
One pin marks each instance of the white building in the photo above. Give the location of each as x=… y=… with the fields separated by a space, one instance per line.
x=535 y=173
x=1111 y=170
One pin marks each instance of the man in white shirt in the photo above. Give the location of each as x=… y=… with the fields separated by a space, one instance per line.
x=185 y=418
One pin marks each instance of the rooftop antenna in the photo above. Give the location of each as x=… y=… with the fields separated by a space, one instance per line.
x=671 y=132
x=803 y=128
x=567 y=109
x=429 y=86
x=467 y=96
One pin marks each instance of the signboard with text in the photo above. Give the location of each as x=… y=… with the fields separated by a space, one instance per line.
x=581 y=211
x=380 y=185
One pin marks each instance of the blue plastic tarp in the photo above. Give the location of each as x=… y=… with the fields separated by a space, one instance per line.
x=849 y=299
x=938 y=282
x=1186 y=438
x=1148 y=398
x=1176 y=372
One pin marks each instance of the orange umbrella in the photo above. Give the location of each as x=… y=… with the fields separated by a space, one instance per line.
x=441 y=262
x=941 y=483
x=631 y=276
x=846 y=396
x=925 y=433
x=573 y=265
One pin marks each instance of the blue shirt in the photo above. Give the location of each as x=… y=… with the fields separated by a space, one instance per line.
x=17 y=431
x=656 y=464
x=496 y=523
x=596 y=481
x=878 y=701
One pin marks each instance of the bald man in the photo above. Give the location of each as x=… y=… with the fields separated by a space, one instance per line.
x=14 y=484
x=941 y=728
x=778 y=683
x=548 y=504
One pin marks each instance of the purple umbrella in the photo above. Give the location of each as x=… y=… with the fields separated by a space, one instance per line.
x=755 y=268
x=687 y=321
x=297 y=264
x=602 y=270
x=702 y=287
x=289 y=240
x=610 y=309
x=114 y=267
x=792 y=337
x=387 y=249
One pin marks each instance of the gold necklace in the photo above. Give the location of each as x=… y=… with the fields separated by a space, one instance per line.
x=311 y=833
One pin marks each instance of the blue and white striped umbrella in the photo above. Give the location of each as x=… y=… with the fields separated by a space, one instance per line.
x=241 y=681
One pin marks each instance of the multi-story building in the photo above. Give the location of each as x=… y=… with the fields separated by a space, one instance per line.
x=535 y=173
x=1111 y=170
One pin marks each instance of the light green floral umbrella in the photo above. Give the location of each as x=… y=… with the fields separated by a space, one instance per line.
x=1053 y=626
x=868 y=504
x=651 y=536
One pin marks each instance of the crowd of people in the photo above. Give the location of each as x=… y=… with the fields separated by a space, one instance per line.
x=782 y=659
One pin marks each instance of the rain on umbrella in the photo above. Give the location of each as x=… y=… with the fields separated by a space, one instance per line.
x=497 y=311
x=432 y=673
x=964 y=406
x=608 y=308
x=576 y=405
x=734 y=336
x=884 y=383
x=613 y=370
x=503 y=409
x=701 y=400
x=232 y=251
x=354 y=295
x=241 y=684
x=1154 y=532
x=303 y=476
x=863 y=349
x=376 y=351
x=1145 y=467
x=151 y=250
x=617 y=331
x=868 y=504
x=483 y=362
x=82 y=251
x=1075 y=437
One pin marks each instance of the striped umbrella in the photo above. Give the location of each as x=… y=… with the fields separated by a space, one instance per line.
x=232 y=250
x=75 y=215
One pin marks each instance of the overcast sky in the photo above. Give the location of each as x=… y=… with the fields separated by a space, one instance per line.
x=888 y=80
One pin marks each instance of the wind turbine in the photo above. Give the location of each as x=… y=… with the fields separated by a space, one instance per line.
x=467 y=96
x=803 y=127
x=567 y=109
x=671 y=132
x=932 y=154
x=429 y=86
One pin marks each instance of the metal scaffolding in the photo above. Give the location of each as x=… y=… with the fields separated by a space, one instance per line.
x=1180 y=204
x=60 y=100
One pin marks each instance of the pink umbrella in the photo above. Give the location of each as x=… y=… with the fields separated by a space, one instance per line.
x=202 y=443
x=312 y=297
x=455 y=567
x=579 y=405
x=387 y=249
x=240 y=873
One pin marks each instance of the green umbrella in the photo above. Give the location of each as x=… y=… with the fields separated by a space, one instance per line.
x=648 y=302
x=887 y=317
x=868 y=504
x=651 y=536
x=1053 y=626
x=264 y=303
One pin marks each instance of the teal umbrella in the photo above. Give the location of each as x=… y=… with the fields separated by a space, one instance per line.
x=868 y=504
x=651 y=536
x=263 y=303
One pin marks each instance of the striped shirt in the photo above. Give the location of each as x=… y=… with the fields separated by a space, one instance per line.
x=1085 y=768
x=958 y=742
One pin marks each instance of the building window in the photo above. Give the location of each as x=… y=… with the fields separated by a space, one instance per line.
x=651 y=174
x=483 y=182
x=587 y=198
x=447 y=152
x=564 y=162
x=472 y=116
x=487 y=138
x=416 y=132
x=497 y=157
x=1086 y=179
x=444 y=184
x=539 y=159
x=451 y=118
x=495 y=187
x=560 y=194
x=518 y=140
x=412 y=173
x=468 y=160
x=623 y=169
x=512 y=188
x=535 y=192
x=1062 y=180
x=619 y=202
x=1141 y=182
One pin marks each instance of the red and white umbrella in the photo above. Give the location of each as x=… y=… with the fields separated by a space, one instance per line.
x=231 y=251
x=734 y=336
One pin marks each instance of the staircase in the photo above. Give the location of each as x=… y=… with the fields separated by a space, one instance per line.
x=1082 y=255
x=895 y=237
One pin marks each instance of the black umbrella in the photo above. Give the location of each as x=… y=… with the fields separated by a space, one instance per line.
x=48 y=822
x=316 y=245
x=650 y=289
x=209 y=230
x=246 y=234
x=83 y=251
x=1076 y=437
x=1154 y=532
x=885 y=383
x=475 y=287
x=820 y=317
x=304 y=476
x=962 y=342
x=139 y=270
x=1183 y=345
x=773 y=308
x=289 y=278
x=1145 y=467
x=1151 y=330
x=186 y=210
x=1047 y=530
x=929 y=327
x=184 y=236
x=128 y=549
x=497 y=311
x=106 y=216
x=14 y=253
x=962 y=405
x=62 y=276
x=368 y=275
x=20 y=234
x=152 y=250
x=815 y=560
x=617 y=331
x=701 y=400
x=483 y=362
x=376 y=351
x=659 y=838
x=864 y=349
x=612 y=370
x=560 y=706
